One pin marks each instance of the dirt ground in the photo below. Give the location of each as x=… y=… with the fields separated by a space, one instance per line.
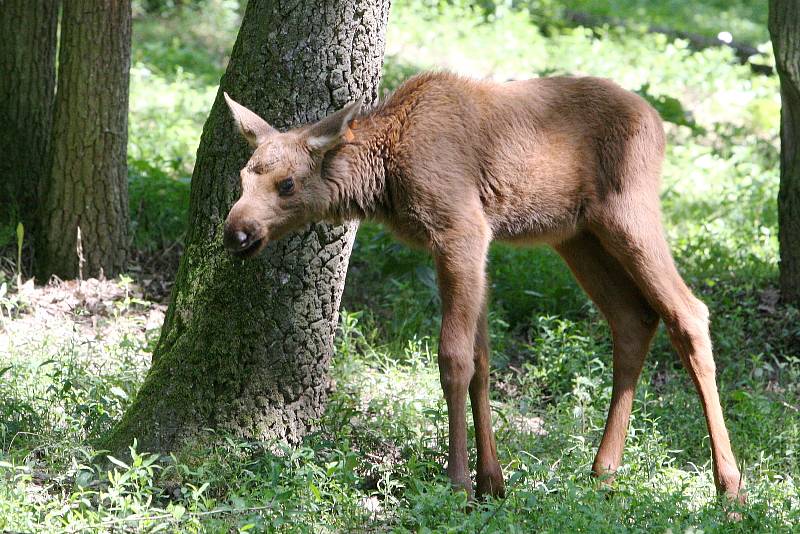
x=87 y=311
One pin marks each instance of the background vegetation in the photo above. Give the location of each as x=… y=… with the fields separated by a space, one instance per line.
x=376 y=462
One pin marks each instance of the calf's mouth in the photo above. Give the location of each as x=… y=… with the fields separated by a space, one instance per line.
x=249 y=249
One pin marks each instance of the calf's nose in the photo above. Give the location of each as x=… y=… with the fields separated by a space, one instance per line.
x=235 y=239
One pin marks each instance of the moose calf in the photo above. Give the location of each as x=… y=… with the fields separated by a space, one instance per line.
x=448 y=164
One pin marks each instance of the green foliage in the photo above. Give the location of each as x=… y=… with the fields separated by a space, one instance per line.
x=65 y=376
x=196 y=38
x=167 y=112
x=376 y=462
x=178 y=59
x=745 y=20
x=670 y=109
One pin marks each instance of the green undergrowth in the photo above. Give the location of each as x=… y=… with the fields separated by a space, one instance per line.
x=745 y=20
x=376 y=461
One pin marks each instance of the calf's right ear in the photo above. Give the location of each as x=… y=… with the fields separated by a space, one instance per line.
x=255 y=129
x=329 y=132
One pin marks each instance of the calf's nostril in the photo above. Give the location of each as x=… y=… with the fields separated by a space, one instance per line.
x=235 y=240
x=241 y=238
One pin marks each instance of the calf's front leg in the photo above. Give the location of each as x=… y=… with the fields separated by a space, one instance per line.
x=490 y=474
x=460 y=271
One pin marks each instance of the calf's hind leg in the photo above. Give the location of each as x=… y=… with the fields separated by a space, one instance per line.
x=639 y=245
x=633 y=323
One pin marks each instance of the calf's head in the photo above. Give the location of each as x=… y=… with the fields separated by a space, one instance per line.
x=282 y=185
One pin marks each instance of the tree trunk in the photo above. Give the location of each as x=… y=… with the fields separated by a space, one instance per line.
x=246 y=346
x=27 y=85
x=784 y=28
x=88 y=185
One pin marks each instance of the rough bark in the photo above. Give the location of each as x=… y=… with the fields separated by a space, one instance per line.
x=784 y=28
x=246 y=346
x=27 y=85
x=88 y=183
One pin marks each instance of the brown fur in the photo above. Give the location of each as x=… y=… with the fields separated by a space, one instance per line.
x=449 y=164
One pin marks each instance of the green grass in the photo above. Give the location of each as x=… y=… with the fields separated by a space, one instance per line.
x=376 y=461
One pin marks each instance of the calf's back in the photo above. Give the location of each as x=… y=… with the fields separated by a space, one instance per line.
x=539 y=157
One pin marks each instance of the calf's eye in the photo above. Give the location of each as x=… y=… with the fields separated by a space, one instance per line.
x=286 y=187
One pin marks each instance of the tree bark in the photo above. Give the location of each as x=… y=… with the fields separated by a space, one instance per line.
x=246 y=346
x=27 y=85
x=88 y=184
x=784 y=28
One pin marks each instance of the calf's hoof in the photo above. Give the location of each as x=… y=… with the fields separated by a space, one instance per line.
x=730 y=483
x=604 y=479
x=462 y=483
x=491 y=484
x=734 y=494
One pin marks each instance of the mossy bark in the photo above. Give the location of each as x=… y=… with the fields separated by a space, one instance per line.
x=87 y=187
x=27 y=91
x=784 y=28
x=246 y=345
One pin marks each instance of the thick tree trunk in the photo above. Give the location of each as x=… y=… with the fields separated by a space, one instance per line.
x=88 y=185
x=246 y=346
x=784 y=28
x=27 y=85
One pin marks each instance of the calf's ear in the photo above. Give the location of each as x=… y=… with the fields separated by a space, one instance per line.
x=330 y=131
x=251 y=126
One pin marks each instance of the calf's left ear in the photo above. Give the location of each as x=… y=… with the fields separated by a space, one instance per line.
x=330 y=131
x=255 y=129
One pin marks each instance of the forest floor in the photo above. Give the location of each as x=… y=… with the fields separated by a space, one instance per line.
x=73 y=354
x=87 y=311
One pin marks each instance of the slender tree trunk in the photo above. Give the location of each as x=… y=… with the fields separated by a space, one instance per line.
x=88 y=185
x=246 y=346
x=784 y=28
x=27 y=85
